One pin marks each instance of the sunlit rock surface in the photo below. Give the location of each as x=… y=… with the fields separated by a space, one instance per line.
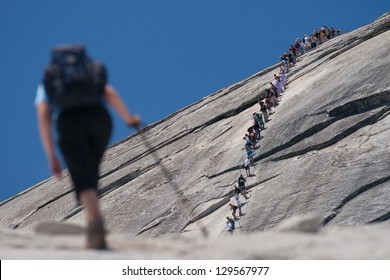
x=326 y=150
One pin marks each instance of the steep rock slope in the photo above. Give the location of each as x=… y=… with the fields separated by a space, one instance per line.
x=326 y=150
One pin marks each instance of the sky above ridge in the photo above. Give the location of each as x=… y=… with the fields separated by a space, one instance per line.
x=161 y=56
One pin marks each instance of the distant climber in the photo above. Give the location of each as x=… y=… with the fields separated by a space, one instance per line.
x=264 y=111
x=234 y=210
x=259 y=120
x=241 y=186
x=250 y=153
x=230 y=225
x=247 y=166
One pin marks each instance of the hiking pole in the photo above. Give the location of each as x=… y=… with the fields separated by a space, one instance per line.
x=167 y=175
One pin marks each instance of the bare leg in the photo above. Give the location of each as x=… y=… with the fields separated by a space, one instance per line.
x=90 y=200
x=95 y=232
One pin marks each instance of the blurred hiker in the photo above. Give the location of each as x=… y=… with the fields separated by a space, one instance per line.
x=234 y=210
x=230 y=225
x=74 y=94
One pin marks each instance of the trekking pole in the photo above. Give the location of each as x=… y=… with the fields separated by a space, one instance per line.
x=167 y=175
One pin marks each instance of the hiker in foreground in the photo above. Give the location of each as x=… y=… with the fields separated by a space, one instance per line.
x=74 y=94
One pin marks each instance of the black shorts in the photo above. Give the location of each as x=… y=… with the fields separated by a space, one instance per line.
x=83 y=135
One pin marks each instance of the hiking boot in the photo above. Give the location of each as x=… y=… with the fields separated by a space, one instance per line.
x=96 y=235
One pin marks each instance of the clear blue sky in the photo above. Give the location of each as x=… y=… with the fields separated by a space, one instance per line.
x=162 y=55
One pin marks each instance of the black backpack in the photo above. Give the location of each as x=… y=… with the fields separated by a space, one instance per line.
x=73 y=80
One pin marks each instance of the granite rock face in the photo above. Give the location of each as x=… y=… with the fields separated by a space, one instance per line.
x=346 y=243
x=326 y=150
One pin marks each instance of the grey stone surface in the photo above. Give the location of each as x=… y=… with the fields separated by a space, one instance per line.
x=325 y=150
x=310 y=222
x=341 y=243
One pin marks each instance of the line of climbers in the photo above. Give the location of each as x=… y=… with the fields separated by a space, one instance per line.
x=308 y=43
x=273 y=96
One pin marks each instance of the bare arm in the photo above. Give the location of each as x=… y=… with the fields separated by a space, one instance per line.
x=112 y=98
x=44 y=124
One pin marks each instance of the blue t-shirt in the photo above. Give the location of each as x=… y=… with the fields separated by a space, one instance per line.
x=41 y=95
